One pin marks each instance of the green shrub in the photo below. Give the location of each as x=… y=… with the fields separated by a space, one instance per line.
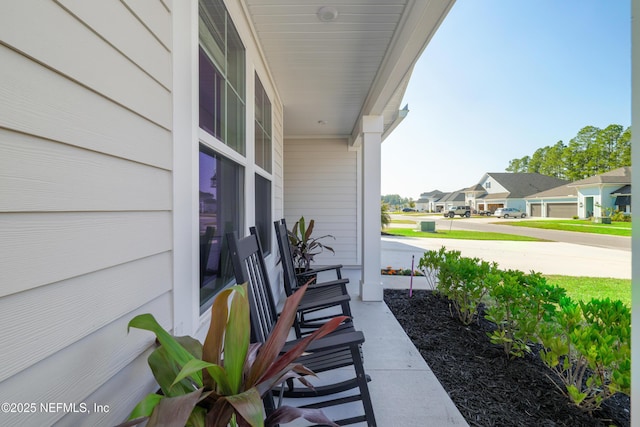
x=519 y=302
x=464 y=281
x=587 y=345
x=620 y=217
x=430 y=263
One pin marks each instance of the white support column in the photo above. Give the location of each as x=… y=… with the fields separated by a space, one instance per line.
x=371 y=283
x=186 y=297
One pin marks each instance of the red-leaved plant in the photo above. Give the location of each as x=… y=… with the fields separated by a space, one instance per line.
x=223 y=382
x=305 y=247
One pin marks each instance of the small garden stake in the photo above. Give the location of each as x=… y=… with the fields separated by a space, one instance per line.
x=411 y=280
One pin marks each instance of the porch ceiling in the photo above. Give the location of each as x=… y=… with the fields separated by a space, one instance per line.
x=330 y=73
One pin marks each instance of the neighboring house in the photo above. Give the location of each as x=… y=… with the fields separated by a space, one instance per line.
x=447 y=200
x=135 y=134
x=605 y=191
x=622 y=200
x=558 y=202
x=427 y=201
x=509 y=190
x=472 y=194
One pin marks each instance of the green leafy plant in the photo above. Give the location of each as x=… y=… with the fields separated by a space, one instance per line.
x=223 y=382
x=304 y=246
x=587 y=345
x=464 y=281
x=430 y=263
x=518 y=303
x=619 y=216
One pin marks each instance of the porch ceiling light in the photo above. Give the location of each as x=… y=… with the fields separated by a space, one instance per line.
x=322 y=122
x=327 y=13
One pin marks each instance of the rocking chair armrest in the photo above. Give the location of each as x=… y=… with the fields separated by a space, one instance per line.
x=331 y=341
x=331 y=283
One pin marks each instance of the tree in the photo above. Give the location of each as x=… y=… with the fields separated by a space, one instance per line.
x=535 y=164
x=552 y=162
x=395 y=201
x=519 y=165
x=590 y=165
x=623 y=148
x=591 y=152
x=385 y=218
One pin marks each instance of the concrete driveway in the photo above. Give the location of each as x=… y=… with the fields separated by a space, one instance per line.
x=572 y=254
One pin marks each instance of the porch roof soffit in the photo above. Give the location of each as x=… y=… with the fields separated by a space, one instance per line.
x=358 y=62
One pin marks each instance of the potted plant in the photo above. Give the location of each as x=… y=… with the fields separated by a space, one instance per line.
x=223 y=382
x=304 y=246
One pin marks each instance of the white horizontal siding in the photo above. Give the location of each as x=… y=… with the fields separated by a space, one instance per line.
x=278 y=161
x=137 y=42
x=41 y=248
x=86 y=197
x=98 y=298
x=37 y=101
x=135 y=378
x=74 y=373
x=155 y=18
x=52 y=36
x=320 y=183
x=42 y=175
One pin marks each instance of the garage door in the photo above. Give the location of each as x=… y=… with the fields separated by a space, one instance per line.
x=562 y=210
x=536 y=209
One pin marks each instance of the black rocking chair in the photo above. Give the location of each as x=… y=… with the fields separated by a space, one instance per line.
x=334 y=351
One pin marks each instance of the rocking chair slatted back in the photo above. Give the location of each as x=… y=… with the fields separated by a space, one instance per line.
x=286 y=257
x=249 y=267
x=334 y=351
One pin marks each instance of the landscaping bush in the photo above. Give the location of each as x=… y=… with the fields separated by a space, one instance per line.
x=518 y=303
x=464 y=281
x=620 y=217
x=587 y=345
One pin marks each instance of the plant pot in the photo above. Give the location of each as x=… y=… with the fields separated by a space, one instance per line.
x=304 y=279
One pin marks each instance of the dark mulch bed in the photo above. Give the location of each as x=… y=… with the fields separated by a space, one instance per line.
x=487 y=388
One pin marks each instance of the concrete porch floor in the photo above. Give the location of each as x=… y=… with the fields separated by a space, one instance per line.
x=403 y=388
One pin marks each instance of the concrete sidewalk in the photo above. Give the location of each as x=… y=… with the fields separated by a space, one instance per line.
x=404 y=390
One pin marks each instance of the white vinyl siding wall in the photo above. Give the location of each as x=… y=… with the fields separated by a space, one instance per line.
x=320 y=182
x=278 y=167
x=85 y=201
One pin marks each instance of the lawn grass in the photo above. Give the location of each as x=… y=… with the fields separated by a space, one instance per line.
x=459 y=234
x=586 y=288
x=582 y=226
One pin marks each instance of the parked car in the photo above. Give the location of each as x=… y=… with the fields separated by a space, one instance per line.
x=408 y=210
x=483 y=213
x=458 y=210
x=509 y=213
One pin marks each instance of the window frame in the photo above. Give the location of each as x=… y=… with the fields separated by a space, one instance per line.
x=240 y=211
x=215 y=46
x=263 y=126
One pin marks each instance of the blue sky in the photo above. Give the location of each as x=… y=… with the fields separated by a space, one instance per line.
x=502 y=78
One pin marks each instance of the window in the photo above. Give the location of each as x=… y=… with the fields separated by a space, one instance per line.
x=222 y=76
x=263 y=212
x=221 y=211
x=487 y=184
x=263 y=127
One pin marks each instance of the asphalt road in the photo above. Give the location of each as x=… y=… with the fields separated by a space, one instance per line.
x=500 y=225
